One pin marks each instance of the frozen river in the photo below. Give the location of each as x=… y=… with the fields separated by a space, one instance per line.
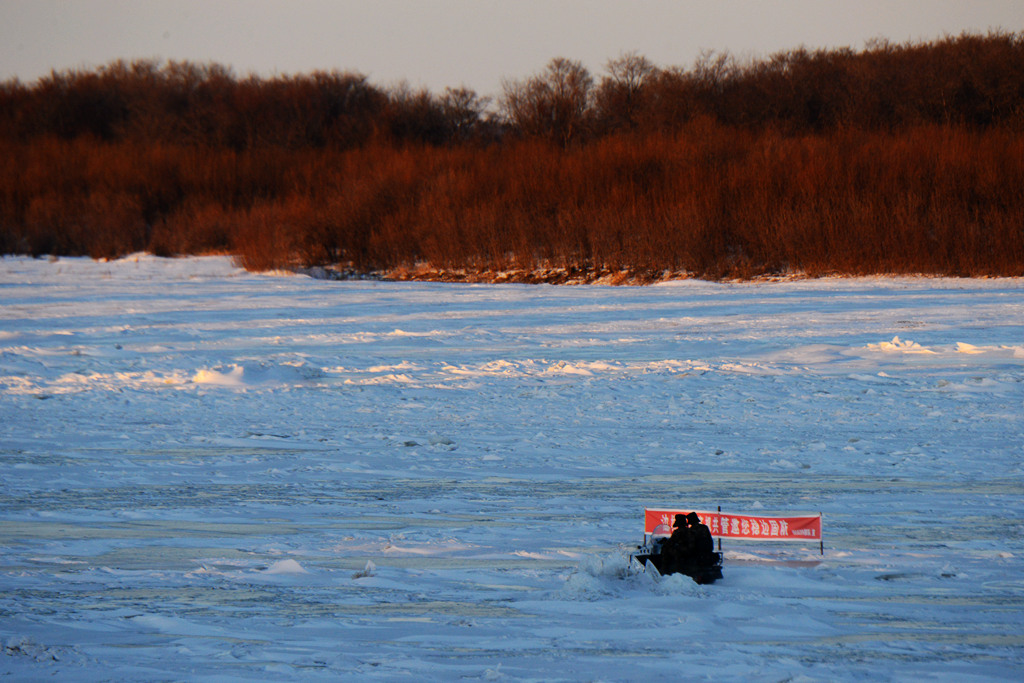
x=210 y=474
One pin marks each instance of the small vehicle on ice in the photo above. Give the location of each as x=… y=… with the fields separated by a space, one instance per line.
x=650 y=555
x=688 y=550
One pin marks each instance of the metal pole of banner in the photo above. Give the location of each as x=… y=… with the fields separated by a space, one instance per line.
x=719 y=526
x=822 y=537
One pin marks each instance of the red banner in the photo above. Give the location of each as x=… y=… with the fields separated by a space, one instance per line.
x=728 y=525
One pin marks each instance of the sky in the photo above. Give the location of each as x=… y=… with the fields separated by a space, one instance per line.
x=473 y=43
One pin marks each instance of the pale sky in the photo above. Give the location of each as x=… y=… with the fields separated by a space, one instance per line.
x=476 y=43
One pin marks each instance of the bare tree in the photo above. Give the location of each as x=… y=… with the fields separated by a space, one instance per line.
x=619 y=97
x=555 y=104
x=463 y=109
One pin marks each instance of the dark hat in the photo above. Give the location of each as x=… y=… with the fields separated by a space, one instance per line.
x=693 y=518
x=680 y=520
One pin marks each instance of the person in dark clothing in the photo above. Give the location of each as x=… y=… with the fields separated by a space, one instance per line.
x=681 y=535
x=702 y=546
x=677 y=550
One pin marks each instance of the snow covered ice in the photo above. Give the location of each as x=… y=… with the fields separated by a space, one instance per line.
x=211 y=474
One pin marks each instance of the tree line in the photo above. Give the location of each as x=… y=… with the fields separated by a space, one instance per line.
x=896 y=158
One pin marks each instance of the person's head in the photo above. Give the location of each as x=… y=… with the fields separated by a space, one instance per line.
x=681 y=521
x=693 y=519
